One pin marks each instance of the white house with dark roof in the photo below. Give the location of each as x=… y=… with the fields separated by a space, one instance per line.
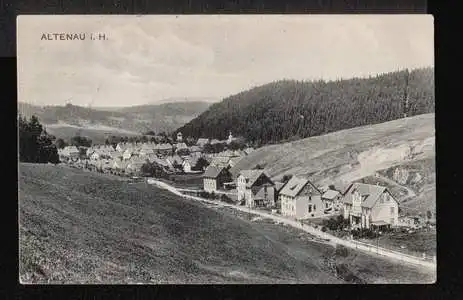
x=189 y=163
x=214 y=178
x=255 y=188
x=70 y=152
x=367 y=205
x=299 y=198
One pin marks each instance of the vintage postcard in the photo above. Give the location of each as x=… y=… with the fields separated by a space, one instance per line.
x=251 y=149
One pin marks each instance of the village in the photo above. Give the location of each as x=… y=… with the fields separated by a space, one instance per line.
x=359 y=210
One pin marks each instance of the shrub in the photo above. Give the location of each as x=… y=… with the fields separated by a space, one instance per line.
x=323 y=229
x=226 y=199
x=335 y=224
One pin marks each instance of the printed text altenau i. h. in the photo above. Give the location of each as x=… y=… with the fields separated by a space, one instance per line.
x=73 y=36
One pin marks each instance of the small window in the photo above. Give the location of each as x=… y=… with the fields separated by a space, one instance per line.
x=310 y=208
x=310 y=198
x=314 y=207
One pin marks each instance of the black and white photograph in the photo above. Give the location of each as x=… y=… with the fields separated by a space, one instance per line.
x=226 y=149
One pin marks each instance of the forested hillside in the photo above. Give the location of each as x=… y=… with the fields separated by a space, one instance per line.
x=289 y=110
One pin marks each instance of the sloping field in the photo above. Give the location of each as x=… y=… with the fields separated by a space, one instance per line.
x=82 y=227
x=96 y=133
x=344 y=156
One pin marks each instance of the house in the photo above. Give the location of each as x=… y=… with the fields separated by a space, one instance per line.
x=195 y=149
x=71 y=152
x=189 y=163
x=214 y=178
x=163 y=149
x=201 y=142
x=180 y=146
x=255 y=188
x=300 y=198
x=119 y=165
x=174 y=160
x=128 y=153
x=121 y=147
x=146 y=150
x=160 y=162
x=332 y=200
x=134 y=166
x=367 y=205
x=248 y=150
x=278 y=187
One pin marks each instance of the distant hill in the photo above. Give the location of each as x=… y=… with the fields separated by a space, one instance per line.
x=289 y=110
x=345 y=156
x=62 y=121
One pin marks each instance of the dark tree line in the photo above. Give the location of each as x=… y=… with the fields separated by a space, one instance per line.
x=288 y=110
x=81 y=141
x=35 y=144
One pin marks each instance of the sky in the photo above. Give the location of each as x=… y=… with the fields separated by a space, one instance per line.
x=147 y=59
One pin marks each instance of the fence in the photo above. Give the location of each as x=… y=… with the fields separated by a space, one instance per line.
x=307 y=228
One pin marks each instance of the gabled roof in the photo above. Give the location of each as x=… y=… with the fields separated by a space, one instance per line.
x=175 y=159
x=330 y=194
x=195 y=149
x=71 y=149
x=370 y=193
x=279 y=186
x=212 y=171
x=294 y=186
x=161 y=162
x=181 y=146
x=251 y=176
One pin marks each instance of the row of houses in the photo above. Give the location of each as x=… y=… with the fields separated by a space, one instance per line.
x=131 y=156
x=364 y=205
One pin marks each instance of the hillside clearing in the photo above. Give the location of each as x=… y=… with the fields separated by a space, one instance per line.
x=347 y=155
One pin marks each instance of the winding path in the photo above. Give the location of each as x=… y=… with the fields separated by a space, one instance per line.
x=330 y=239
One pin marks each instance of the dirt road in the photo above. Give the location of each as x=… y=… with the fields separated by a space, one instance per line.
x=400 y=257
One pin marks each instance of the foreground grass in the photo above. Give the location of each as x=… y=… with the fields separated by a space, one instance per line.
x=82 y=227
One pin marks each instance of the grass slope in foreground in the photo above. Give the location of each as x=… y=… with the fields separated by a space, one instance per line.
x=81 y=227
